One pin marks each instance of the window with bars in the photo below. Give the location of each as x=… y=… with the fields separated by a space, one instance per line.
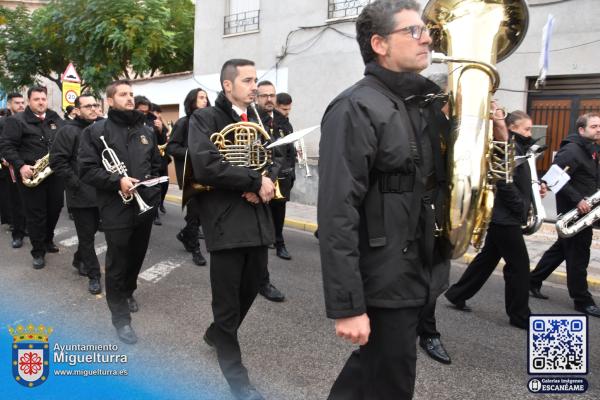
x=337 y=9
x=242 y=16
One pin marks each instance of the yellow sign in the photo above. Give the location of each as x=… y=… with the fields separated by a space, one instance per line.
x=70 y=91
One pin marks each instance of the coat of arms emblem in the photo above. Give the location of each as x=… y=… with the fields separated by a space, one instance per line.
x=30 y=354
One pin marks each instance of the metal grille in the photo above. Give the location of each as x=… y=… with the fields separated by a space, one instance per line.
x=247 y=21
x=345 y=8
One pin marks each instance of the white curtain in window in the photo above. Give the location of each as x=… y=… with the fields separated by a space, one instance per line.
x=238 y=6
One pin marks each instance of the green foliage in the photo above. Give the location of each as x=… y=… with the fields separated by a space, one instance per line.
x=105 y=40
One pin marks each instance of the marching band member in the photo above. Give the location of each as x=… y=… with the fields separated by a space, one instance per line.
x=127 y=231
x=27 y=137
x=81 y=197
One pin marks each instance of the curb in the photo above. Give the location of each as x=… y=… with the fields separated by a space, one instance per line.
x=555 y=277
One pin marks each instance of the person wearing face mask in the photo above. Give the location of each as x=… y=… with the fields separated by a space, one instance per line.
x=504 y=237
x=177 y=148
x=579 y=152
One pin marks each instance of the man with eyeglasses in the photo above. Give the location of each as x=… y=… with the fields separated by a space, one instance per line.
x=382 y=190
x=81 y=197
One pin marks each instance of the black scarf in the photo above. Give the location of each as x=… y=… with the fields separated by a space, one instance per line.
x=406 y=85
x=524 y=141
x=126 y=117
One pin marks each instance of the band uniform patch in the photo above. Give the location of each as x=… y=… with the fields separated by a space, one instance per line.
x=143 y=139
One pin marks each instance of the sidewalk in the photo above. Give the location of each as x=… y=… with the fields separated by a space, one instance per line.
x=304 y=217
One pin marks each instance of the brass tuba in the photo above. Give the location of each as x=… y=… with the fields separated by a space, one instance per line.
x=474 y=35
x=242 y=144
x=41 y=170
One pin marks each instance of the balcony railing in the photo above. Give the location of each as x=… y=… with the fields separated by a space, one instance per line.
x=243 y=22
x=345 y=8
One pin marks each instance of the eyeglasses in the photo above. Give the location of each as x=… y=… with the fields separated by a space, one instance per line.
x=267 y=96
x=416 y=31
x=89 y=106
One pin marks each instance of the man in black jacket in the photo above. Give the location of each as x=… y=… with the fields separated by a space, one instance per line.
x=177 y=148
x=236 y=218
x=27 y=137
x=10 y=192
x=81 y=197
x=504 y=237
x=381 y=171
x=127 y=231
x=578 y=152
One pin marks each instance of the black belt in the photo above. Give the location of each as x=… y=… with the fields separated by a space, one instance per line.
x=401 y=183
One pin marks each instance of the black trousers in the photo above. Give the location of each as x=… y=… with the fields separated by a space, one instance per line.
x=501 y=242
x=192 y=223
x=576 y=251
x=385 y=368
x=5 y=204
x=278 y=211
x=42 y=205
x=234 y=278
x=427 y=327
x=18 y=215
x=86 y=224
x=126 y=249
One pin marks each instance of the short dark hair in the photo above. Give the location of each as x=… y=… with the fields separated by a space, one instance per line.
x=229 y=70
x=111 y=89
x=13 y=95
x=142 y=100
x=583 y=119
x=39 y=89
x=515 y=116
x=284 y=98
x=265 y=83
x=378 y=18
x=155 y=108
x=77 y=101
x=189 y=104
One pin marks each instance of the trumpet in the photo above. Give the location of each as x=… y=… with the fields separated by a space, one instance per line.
x=115 y=166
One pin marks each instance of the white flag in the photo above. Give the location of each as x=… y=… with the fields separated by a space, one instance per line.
x=545 y=53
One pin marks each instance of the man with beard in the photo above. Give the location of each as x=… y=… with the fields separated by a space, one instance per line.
x=127 y=231
x=27 y=137
x=81 y=197
x=9 y=192
x=236 y=219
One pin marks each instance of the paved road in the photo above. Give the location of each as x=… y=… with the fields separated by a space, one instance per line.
x=289 y=348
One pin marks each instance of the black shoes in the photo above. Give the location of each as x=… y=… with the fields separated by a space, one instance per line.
x=246 y=392
x=94 y=286
x=78 y=265
x=17 y=243
x=535 y=292
x=186 y=243
x=270 y=292
x=38 y=262
x=592 y=310
x=157 y=220
x=127 y=334
x=198 y=258
x=460 y=305
x=207 y=340
x=519 y=324
x=51 y=247
x=435 y=349
x=162 y=209
x=132 y=304
x=283 y=253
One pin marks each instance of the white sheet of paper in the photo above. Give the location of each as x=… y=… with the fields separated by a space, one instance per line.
x=151 y=182
x=556 y=178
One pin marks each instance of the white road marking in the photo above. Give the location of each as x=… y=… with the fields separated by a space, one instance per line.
x=61 y=230
x=158 y=271
x=72 y=241
x=100 y=249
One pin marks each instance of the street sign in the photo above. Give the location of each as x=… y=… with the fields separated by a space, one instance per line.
x=70 y=75
x=70 y=91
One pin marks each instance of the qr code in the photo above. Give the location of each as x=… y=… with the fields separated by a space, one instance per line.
x=558 y=344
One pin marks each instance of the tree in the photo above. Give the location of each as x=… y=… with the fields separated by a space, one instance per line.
x=105 y=40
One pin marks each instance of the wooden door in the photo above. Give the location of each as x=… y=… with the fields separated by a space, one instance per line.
x=556 y=114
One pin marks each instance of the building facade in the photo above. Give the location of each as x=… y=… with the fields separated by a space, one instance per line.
x=313 y=43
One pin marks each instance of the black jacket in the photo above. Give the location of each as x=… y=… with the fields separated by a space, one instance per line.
x=228 y=220
x=63 y=161
x=135 y=146
x=178 y=144
x=376 y=149
x=25 y=138
x=579 y=154
x=512 y=200
x=279 y=127
x=160 y=139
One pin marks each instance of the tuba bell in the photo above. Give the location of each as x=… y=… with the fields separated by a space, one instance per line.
x=474 y=35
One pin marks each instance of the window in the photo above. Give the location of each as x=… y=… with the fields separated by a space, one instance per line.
x=345 y=8
x=243 y=17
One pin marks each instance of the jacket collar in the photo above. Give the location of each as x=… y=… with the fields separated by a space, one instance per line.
x=31 y=118
x=404 y=84
x=80 y=123
x=586 y=144
x=225 y=105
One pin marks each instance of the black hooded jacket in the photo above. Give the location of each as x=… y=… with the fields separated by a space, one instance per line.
x=63 y=161
x=135 y=146
x=178 y=144
x=228 y=220
x=381 y=167
x=579 y=154
x=26 y=138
